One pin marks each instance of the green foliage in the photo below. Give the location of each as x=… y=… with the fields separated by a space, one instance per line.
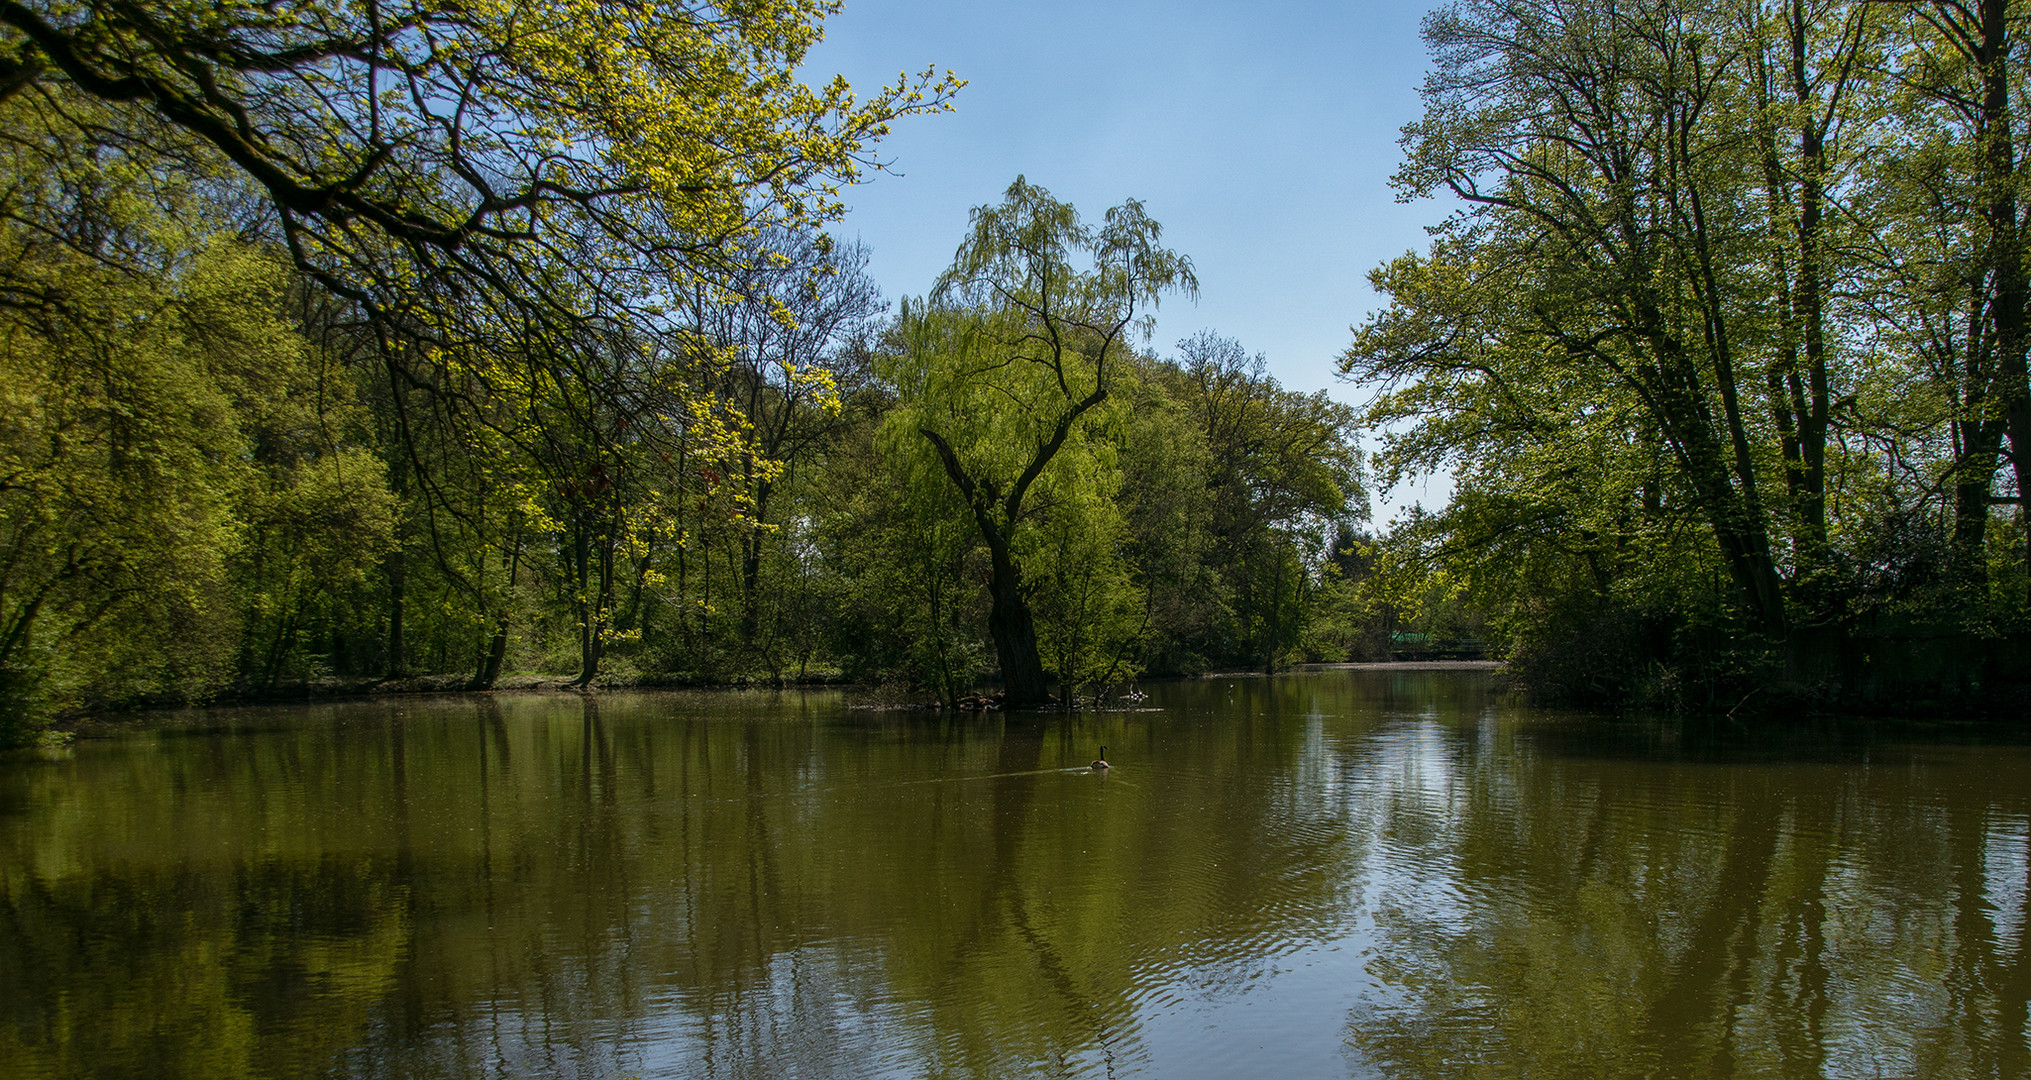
x=305 y=382
x=1167 y=507
x=316 y=540
x=485 y=397
x=138 y=417
x=1282 y=479
x=1723 y=353
x=1090 y=615
x=1003 y=382
x=471 y=173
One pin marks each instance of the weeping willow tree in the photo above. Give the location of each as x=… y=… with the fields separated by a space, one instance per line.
x=1003 y=374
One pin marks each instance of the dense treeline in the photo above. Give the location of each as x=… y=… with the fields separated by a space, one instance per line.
x=1726 y=345
x=445 y=342
x=355 y=344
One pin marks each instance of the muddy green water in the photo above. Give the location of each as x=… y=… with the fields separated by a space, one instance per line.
x=1335 y=874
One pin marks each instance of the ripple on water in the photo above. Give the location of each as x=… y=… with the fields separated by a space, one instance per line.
x=1308 y=877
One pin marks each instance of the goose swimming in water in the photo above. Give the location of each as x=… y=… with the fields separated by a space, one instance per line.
x=1100 y=763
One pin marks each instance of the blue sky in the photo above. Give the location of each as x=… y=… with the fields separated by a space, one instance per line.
x=1261 y=135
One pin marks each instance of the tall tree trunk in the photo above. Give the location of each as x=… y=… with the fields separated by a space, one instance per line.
x=1735 y=504
x=593 y=570
x=1810 y=399
x=490 y=664
x=1672 y=385
x=2006 y=238
x=1009 y=621
x=1994 y=401
x=1273 y=622
x=751 y=570
x=397 y=570
x=1014 y=631
x=1998 y=385
x=1978 y=446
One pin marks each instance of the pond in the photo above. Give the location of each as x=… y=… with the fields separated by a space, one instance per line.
x=1342 y=873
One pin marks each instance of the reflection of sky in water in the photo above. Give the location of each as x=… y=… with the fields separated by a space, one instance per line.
x=2007 y=858
x=1283 y=1014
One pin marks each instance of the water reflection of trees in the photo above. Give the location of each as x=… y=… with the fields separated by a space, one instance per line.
x=265 y=969
x=1608 y=915
x=749 y=887
x=612 y=888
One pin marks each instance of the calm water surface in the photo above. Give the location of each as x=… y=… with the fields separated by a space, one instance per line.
x=1336 y=874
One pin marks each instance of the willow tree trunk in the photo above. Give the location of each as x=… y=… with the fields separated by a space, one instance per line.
x=1009 y=621
x=1014 y=631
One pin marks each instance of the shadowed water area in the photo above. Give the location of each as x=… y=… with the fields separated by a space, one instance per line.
x=1365 y=873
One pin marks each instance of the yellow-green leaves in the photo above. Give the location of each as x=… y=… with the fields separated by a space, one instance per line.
x=1005 y=379
x=451 y=165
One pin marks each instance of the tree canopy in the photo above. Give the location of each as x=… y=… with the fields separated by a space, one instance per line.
x=1002 y=374
x=1735 y=294
x=462 y=170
